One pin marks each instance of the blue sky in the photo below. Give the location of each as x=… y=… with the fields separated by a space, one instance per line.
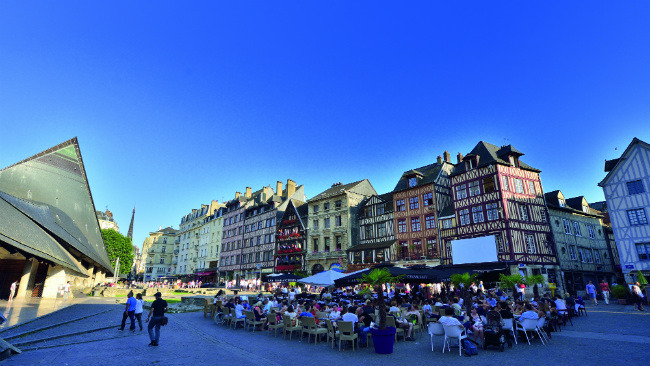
x=180 y=103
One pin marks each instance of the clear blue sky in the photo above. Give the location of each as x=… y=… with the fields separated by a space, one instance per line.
x=178 y=103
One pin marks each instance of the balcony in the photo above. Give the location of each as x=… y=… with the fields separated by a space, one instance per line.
x=176 y=251
x=177 y=241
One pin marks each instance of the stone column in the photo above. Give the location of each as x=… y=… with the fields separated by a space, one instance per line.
x=30 y=267
x=91 y=270
x=55 y=276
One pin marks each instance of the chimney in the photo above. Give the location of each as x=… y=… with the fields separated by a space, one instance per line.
x=267 y=193
x=439 y=159
x=237 y=195
x=248 y=192
x=447 y=156
x=291 y=187
x=278 y=188
x=460 y=158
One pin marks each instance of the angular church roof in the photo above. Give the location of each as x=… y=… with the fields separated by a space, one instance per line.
x=51 y=189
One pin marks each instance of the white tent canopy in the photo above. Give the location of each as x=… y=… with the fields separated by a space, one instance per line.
x=323 y=279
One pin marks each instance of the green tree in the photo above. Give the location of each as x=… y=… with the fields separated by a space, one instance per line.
x=466 y=280
x=118 y=246
x=375 y=279
x=535 y=280
x=511 y=282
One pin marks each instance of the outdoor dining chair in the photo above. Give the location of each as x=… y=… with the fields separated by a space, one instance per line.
x=346 y=333
x=509 y=325
x=435 y=329
x=529 y=325
x=332 y=334
x=453 y=332
x=289 y=328
x=273 y=324
x=250 y=320
x=309 y=326
x=390 y=322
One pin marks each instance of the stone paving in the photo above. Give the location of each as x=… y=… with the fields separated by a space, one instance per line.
x=608 y=335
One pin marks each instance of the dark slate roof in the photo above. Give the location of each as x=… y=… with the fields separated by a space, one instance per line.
x=302 y=208
x=599 y=206
x=388 y=197
x=26 y=234
x=491 y=154
x=426 y=174
x=575 y=202
x=610 y=164
x=336 y=190
x=57 y=178
x=552 y=198
x=447 y=211
x=169 y=230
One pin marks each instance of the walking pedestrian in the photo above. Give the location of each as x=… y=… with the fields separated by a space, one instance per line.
x=139 y=309
x=604 y=288
x=158 y=308
x=129 y=312
x=12 y=290
x=591 y=292
x=66 y=291
x=638 y=297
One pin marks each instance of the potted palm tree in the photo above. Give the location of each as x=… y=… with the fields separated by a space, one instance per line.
x=383 y=337
x=464 y=281
x=511 y=282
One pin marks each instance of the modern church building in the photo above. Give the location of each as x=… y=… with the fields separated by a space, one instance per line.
x=49 y=233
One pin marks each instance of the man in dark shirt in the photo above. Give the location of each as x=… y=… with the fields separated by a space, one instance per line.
x=158 y=308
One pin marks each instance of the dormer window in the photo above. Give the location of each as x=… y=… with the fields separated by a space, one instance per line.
x=412 y=181
x=561 y=202
x=514 y=161
x=585 y=208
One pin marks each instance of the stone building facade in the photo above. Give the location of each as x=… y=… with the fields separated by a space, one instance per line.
x=333 y=224
x=158 y=253
x=376 y=233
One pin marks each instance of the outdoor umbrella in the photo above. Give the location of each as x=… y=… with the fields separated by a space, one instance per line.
x=444 y=272
x=408 y=275
x=323 y=279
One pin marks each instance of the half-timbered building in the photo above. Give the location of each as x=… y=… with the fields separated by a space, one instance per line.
x=627 y=192
x=376 y=233
x=495 y=193
x=419 y=198
x=291 y=238
x=580 y=243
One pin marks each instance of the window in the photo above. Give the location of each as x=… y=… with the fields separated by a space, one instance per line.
x=637 y=216
x=432 y=248
x=576 y=228
x=315 y=245
x=414 y=204
x=337 y=204
x=643 y=251
x=403 y=249
x=523 y=212
x=530 y=243
x=326 y=206
x=588 y=257
x=461 y=192
x=488 y=184
x=499 y=241
x=474 y=188
x=477 y=214
x=164 y=249
x=531 y=188
x=164 y=240
x=506 y=186
x=162 y=260
x=519 y=186
x=427 y=198
x=430 y=221
x=567 y=226
x=400 y=206
x=338 y=241
x=367 y=212
x=413 y=181
x=446 y=224
x=592 y=233
x=315 y=209
x=381 y=229
x=401 y=226
x=381 y=209
x=597 y=257
x=327 y=223
x=464 y=217
x=327 y=244
x=635 y=187
x=572 y=253
x=492 y=211
x=315 y=222
x=259 y=225
x=585 y=209
x=415 y=224
x=561 y=202
x=542 y=214
x=337 y=221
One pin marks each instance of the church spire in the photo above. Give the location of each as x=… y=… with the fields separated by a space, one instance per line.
x=130 y=232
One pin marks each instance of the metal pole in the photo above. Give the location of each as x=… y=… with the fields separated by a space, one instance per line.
x=117 y=267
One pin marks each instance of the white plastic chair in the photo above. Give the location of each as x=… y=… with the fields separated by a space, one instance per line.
x=540 y=328
x=436 y=329
x=453 y=332
x=508 y=324
x=529 y=325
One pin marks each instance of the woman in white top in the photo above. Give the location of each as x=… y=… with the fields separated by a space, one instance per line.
x=139 y=308
x=335 y=314
x=292 y=295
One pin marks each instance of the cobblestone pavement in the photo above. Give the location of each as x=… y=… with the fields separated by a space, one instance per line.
x=608 y=335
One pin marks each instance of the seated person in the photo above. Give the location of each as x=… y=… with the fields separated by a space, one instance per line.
x=246 y=305
x=428 y=311
x=477 y=326
x=530 y=313
x=291 y=313
x=456 y=306
x=306 y=312
x=404 y=324
x=335 y=314
x=449 y=319
x=393 y=307
x=504 y=310
x=349 y=315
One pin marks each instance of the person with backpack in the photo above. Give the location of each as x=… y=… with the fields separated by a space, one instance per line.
x=158 y=308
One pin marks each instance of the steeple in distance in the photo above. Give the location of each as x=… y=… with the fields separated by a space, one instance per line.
x=129 y=234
